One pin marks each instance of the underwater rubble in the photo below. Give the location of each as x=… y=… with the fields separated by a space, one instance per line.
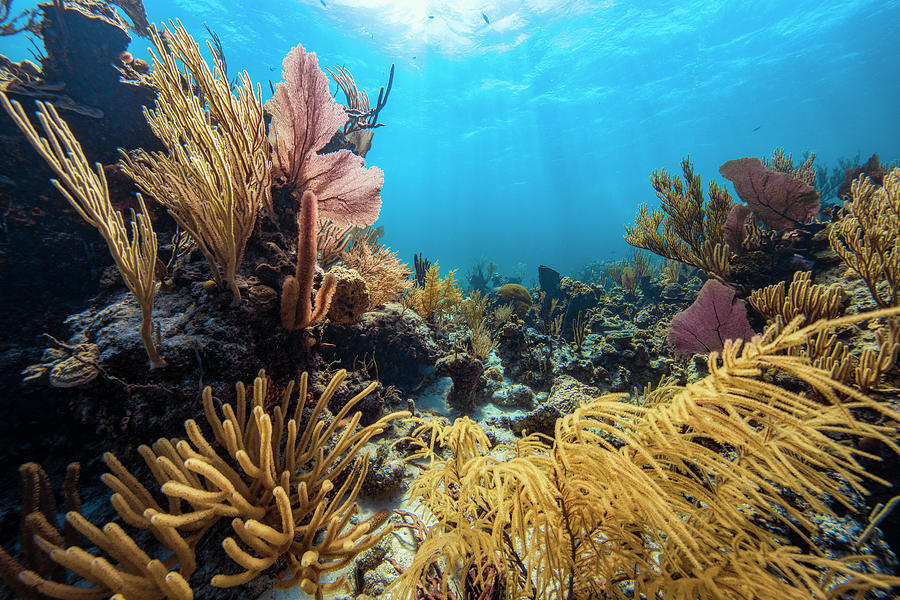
x=716 y=413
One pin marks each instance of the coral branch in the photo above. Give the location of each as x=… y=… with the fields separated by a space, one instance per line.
x=88 y=193
x=296 y=293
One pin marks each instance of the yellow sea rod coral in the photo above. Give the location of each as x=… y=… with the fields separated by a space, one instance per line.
x=88 y=193
x=685 y=228
x=215 y=174
x=438 y=296
x=641 y=500
x=278 y=481
x=868 y=237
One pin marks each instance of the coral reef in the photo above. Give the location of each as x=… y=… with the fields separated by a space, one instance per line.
x=615 y=488
x=283 y=500
x=588 y=457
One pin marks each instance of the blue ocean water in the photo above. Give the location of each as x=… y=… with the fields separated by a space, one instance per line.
x=525 y=131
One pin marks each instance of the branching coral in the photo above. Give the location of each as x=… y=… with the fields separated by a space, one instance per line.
x=214 y=176
x=438 y=296
x=88 y=193
x=359 y=113
x=10 y=25
x=642 y=500
x=692 y=229
x=802 y=298
x=868 y=237
x=284 y=501
x=331 y=242
x=118 y=568
x=39 y=518
x=782 y=162
x=875 y=362
x=812 y=302
x=275 y=479
x=386 y=276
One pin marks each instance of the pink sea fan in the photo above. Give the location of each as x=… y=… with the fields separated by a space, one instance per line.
x=304 y=118
x=715 y=316
x=348 y=192
x=780 y=201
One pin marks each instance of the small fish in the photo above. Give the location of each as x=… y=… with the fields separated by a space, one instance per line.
x=323 y=3
x=757 y=128
x=271 y=68
x=430 y=16
x=484 y=16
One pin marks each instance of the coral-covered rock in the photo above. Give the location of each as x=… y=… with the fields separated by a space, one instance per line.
x=465 y=371
x=579 y=297
x=565 y=396
x=516 y=294
x=514 y=396
x=526 y=354
x=396 y=342
x=351 y=296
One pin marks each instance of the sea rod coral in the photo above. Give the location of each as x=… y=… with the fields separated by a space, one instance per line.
x=88 y=193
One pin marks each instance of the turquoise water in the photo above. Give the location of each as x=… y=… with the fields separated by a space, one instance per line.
x=530 y=138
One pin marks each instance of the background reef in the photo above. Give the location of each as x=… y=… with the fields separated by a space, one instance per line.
x=142 y=332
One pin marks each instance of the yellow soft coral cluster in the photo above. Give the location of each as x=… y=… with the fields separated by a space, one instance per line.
x=637 y=498
x=868 y=237
x=686 y=228
x=277 y=480
x=439 y=296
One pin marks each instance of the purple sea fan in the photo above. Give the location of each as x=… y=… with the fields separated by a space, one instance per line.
x=733 y=229
x=715 y=316
x=304 y=118
x=780 y=201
